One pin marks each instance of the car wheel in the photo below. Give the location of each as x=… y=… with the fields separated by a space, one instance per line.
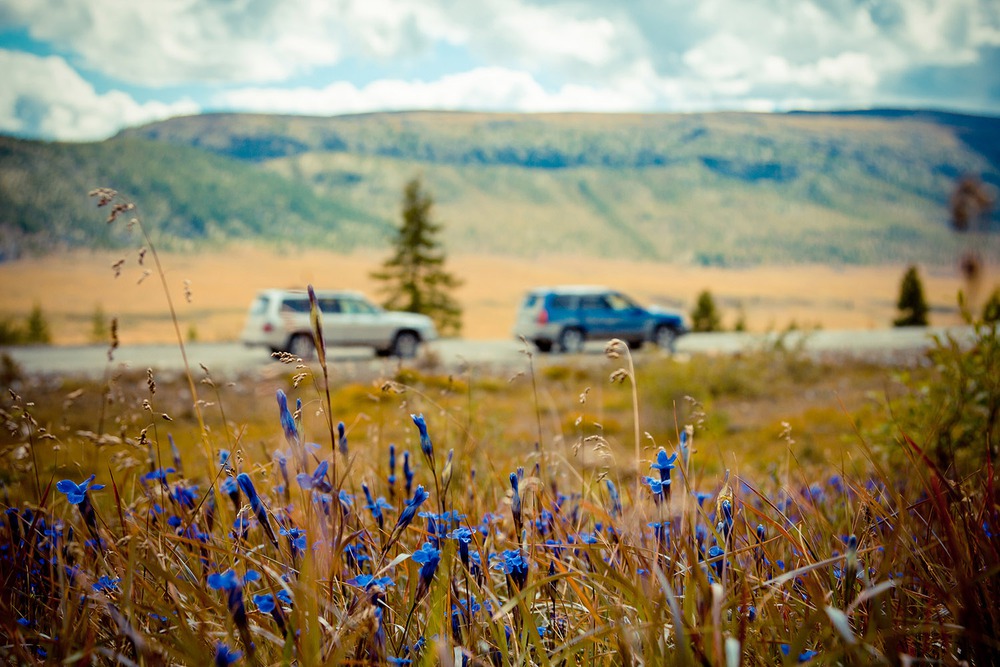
x=543 y=345
x=571 y=340
x=405 y=345
x=302 y=346
x=665 y=338
x=634 y=344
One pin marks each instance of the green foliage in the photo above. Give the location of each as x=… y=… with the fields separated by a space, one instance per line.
x=962 y=405
x=98 y=325
x=991 y=309
x=11 y=333
x=741 y=319
x=911 y=304
x=705 y=316
x=414 y=278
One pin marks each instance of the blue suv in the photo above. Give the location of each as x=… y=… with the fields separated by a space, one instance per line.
x=564 y=318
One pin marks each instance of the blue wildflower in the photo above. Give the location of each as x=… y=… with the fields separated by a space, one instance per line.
x=513 y=564
x=657 y=486
x=428 y=557
x=267 y=604
x=257 y=505
x=425 y=440
x=664 y=464
x=77 y=493
x=230 y=582
x=464 y=537
x=106 y=584
x=407 y=473
x=805 y=656
x=287 y=420
x=159 y=474
x=406 y=516
x=342 y=439
x=717 y=555
x=702 y=497
x=368 y=580
x=375 y=506
x=296 y=538
x=317 y=480
x=224 y=657
x=392 y=470
x=231 y=489
x=684 y=446
x=186 y=496
x=616 y=501
x=727 y=518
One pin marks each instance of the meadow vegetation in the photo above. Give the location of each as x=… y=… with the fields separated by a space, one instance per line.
x=810 y=514
x=771 y=508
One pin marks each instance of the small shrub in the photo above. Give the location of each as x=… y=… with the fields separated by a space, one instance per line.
x=10 y=333
x=98 y=325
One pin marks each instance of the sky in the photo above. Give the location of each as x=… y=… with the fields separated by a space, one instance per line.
x=81 y=70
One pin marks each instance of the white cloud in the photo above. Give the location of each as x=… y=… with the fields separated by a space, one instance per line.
x=46 y=97
x=528 y=55
x=487 y=88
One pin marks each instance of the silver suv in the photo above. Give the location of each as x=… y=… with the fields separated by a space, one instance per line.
x=279 y=320
x=563 y=318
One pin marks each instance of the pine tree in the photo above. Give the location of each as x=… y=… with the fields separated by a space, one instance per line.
x=705 y=316
x=414 y=278
x=37 y=327
x=912 y=305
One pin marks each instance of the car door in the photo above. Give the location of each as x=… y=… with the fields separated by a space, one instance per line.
x=629 y=319
x=365 y=322
x=335 y=332
x=596 y=315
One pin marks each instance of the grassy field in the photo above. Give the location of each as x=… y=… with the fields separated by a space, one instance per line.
x=812 y=514
x=71 y=287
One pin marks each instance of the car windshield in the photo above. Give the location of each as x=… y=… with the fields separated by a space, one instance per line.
x=620 y=302
x=358 y=307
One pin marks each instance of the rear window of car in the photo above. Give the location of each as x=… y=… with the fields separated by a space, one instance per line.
x=295 y=305
x=259 y=305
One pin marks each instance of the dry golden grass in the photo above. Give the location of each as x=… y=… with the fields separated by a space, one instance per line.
x=70 y=287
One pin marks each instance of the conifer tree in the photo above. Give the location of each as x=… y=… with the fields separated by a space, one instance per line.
x=912 y=305
x=414 y=278
x=705 y=316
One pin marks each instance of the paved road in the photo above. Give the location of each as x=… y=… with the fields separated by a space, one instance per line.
x=229 y=359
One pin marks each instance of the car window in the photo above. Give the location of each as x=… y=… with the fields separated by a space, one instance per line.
x=295 y=305
x=259 y=305
x=620 y=302
x=594 y=302
x=562 y=302
x=358 y=307
x=329 y=305
x=530 y=301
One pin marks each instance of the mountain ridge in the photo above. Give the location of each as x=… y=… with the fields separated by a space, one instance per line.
x=727 y=188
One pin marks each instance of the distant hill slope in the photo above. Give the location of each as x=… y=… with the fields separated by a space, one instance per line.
x=726 y=188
